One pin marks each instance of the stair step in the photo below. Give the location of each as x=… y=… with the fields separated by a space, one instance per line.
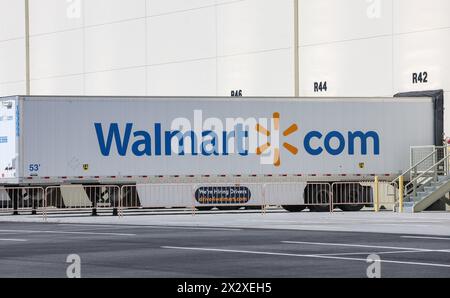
x=440 y=182
x=431 y=188
x=408 y=207
x=422 y=193
x=444 y=177
x=417 y=199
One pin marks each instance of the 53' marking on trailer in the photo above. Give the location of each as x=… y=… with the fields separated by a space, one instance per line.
x=34 y=167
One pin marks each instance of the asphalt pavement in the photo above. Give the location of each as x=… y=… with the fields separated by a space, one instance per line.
x=42 y=250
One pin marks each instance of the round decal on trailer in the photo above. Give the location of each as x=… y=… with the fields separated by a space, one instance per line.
x=222 y=195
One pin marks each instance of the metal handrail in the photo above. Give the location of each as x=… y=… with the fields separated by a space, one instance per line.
x=414 y=181
x=419 y=163
x=427 y=171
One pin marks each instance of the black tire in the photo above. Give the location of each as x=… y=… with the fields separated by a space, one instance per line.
x=319 y=208
x=228 y=208
x=351 y=208
x=204 y=208
x=354 y=194
x=253 y=207
x=294 y=208
x=317 y=198
x=131 y=199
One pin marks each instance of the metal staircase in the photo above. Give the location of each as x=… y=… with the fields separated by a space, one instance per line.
x=427 y=181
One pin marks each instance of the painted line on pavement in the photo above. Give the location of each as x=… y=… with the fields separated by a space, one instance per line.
x=301 y=256
x=115 y=226
x=426 y=237
x=356 y=245
x=67 y=232
x=369 y=253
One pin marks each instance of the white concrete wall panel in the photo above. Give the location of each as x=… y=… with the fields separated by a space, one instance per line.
x=109 y=11
x=12 y=47
x=254 y=25
x=159 y=7
x=114 y=46
x=325 y=21
x=12 y=21
x=192 y=78
x=426 y=51
x=356 y=68
x=16 y=88
x=262 y=74
x=182 y=36
x=117 y=82
x=48 y=16
x=67 y=85
x=12 y=61
x=419 y=15
x=58 y=54
x=210 y=47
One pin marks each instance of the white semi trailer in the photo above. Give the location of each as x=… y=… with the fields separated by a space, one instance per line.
x=52 y=141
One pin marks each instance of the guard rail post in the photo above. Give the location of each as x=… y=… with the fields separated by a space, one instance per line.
x=15 y=202
x=400 y=194
x=193 y=188
x=264 y=206
x=94 y=205
x=116 y=202
x=376 y=195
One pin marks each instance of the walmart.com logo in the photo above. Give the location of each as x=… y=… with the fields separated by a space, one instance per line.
x=234 y=136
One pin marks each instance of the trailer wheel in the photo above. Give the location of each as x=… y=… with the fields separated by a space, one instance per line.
x=353 y=195
x=319 y=208
x=130 y=198
x=228 y=208
x=204 y=208
x=317 y=196
x=352 y=207
x=294 y=208
x=113 y=196
x=253 y=207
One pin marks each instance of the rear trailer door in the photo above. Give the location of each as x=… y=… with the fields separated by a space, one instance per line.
x=9 y=131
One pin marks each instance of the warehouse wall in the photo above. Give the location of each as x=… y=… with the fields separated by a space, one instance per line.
x=12 y=47
x=150 y=47
x=211 y=47
x=374 y=47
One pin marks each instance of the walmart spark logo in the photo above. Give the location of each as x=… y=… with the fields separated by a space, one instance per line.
x=273 y=145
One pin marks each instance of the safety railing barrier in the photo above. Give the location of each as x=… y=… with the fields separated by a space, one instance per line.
x=195 y=196
x=83 y=197
x=157 y=195
x=17 y=199
x=351 y=193
x=130 y=197
x=229 y=194
x=374 y=193
x=320 y=196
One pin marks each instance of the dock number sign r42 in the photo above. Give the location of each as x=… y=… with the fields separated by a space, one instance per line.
x=420 y=77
